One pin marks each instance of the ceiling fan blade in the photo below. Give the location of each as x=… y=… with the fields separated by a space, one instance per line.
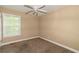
x=29 y=12
x=28 y=6
x=42 y=11
x=41 y=7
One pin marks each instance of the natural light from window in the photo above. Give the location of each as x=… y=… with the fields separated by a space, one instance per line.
x=11 y=25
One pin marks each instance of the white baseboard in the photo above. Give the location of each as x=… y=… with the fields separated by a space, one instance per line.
x=6 y=43
x=64 y=46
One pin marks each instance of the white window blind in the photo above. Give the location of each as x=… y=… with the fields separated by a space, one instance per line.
x=0 y=26
x=11 y=25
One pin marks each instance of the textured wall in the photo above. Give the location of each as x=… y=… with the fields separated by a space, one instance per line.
x=29 y=25
x=62 y=26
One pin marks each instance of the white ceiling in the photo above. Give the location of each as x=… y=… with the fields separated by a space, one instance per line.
x=21 y=8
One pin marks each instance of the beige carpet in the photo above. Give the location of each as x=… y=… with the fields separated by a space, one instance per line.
x=33 y=46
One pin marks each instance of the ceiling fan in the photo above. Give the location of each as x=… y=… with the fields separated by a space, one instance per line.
x=36 y=11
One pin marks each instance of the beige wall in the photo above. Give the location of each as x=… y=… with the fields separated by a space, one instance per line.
x=62 y=26
x=29 y=25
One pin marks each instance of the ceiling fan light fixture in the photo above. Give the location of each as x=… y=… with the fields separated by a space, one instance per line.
x=36 y=11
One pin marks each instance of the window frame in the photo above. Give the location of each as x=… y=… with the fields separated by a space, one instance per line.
x=20 y=26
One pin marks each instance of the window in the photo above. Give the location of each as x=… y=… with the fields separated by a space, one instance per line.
x=0 y=27
x=11 y=25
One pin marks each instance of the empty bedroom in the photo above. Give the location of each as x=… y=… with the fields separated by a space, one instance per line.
x=39 y=28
